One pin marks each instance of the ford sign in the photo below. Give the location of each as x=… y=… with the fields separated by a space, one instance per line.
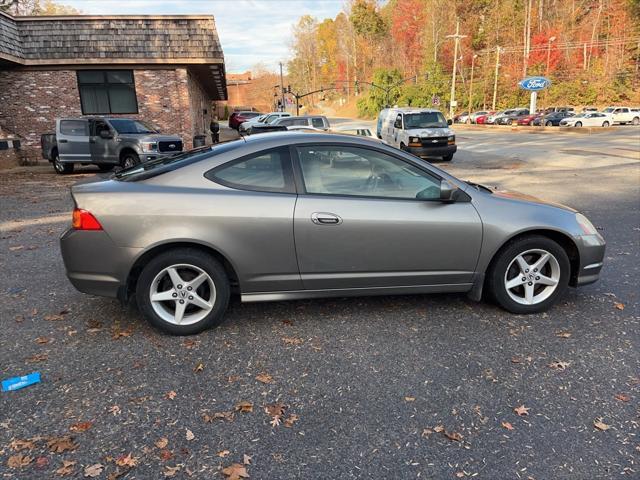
x=534 y=84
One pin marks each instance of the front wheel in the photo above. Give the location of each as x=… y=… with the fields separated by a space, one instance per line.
x=605 y=124
x=529 y=275
x=129 y=159
x=636 y=121
x=448 y=158
x=578 y=124
x=61 y=168
x=548 y=123
x=183 y=291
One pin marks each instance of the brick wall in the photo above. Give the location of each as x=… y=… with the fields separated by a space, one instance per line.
x=31 y=100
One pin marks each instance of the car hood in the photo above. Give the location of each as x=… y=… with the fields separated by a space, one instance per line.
x=430 y=132
x=522 y=197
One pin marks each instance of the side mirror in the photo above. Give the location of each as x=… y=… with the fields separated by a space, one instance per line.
x=106 y=134
x=449 y=122
x=447 y=191
x=397 y=124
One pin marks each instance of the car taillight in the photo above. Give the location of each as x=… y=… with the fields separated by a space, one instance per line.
x=84 y=220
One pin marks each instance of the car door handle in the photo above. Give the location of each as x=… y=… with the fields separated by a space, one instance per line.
x=322 y=218
x=62 y=140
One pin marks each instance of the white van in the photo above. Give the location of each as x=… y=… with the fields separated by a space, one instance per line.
x=421 y=131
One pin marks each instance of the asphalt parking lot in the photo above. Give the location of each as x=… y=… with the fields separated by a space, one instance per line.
x=380 y=387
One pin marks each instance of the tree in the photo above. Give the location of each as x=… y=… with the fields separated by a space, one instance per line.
x=36 y=7
x=407 y=22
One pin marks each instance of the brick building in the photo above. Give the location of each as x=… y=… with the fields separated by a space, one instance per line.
x=168 y=70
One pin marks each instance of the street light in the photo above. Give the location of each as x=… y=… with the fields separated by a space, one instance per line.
x=551 y=40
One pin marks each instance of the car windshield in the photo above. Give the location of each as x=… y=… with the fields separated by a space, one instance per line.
x=584 y=114
x=424 y=120
x=608 y=110
x=272 y=118
x=162 y=165
x=123 y=125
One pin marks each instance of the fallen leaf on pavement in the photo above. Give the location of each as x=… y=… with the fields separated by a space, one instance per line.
x=516 y=359
x=42 y=462
x=171 y=471
x=127 y=461
x=438 y=429
x=81 y=427
x=264 y=378
x=18 y=445
x=38 y=357
x=165 y=454
x=235 y=471
x=559 y=365
x=16 y=248
x=53 y=318
x=93 y=470
x=292 y=341
x=61 y=444
x=244 y=407
x=290 y=420
x=199 y=367
x=522 y=410
x=622 y=397
x=228 y=416
x=114 y=410
x=66 y=468
x=161 y=443
x=171 y=395
x=600 y=425
x=42 y=340
x=619 y=306
x=18 y=461
x=507 y=425
x=455 y=436
x=563 y=334
x=223 y=453
x=189 y=435
x=246 y=459
x=189 y=343
x=409 y=399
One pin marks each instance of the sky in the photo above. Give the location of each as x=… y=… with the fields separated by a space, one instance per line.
x=251 y=31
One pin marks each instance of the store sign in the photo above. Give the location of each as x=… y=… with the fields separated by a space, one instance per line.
x=534 y=84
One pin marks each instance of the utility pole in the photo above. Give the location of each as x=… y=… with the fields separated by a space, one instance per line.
x=282 y=87
x=473 y=61
x=551 y=40
x=456 y=37
x=495 y=81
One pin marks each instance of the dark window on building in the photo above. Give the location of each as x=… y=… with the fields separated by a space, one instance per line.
x=107 y=91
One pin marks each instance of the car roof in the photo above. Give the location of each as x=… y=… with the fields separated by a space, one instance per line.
x=414 y=110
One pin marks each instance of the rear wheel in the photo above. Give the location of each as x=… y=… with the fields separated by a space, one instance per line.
x=529 y=275
x=605 y=124
x=183 y=292
x=548 y=123
x=578 y=124
x=129 y=159
x=61 y=168
x=636 y=121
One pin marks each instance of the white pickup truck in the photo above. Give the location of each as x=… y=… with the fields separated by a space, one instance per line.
x=624 y=115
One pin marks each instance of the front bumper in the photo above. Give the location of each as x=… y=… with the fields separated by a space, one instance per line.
x=147 y=156
x=94 y=263
x=426 y=152
x=591 y=249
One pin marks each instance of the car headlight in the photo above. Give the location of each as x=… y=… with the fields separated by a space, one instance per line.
x=451 y=139
x=586 y=226
x=149 y=147
x=415 y=142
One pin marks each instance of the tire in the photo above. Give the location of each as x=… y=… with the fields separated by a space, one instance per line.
x=188 y=264
x=61 y=168
x=509 y=122
x=636 y=121
x=105 y=167
x=548 y=123
x=605 y=124
x=448 y=158
x=129 y=159
x=506 y=268
x=578 y=124
x=403 y=147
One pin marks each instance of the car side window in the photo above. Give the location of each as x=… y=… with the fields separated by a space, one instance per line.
x=362 y=172
x=398 y=122
x=74 y=128
x=266 y=171
x=317 y=122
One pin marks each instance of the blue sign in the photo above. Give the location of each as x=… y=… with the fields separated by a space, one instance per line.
x=534 y=84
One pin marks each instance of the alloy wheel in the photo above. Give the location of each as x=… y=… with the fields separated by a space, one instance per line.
x=532 y=277
x=182 y=294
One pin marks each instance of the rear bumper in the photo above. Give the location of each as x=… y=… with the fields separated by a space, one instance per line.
x=94 y=264
x=425 y=152
x=592 y=249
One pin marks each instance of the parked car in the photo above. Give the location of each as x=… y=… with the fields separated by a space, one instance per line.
x=588 y=119
x=551 y=119
x=266 y=119
x=528 y=119
x=623 y=115
x=509 y=118
x=237 y=118
x=559 y=109
x=293 y=215
x=491 y=119
x=473 y=118
x=461 y=118
x=589 y=109
x=482 y=119
x=350 y=129
x=421 y=131
x=319 y=122
x=105 y=142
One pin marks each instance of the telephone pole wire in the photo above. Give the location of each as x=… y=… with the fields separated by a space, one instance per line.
x=456 y=37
